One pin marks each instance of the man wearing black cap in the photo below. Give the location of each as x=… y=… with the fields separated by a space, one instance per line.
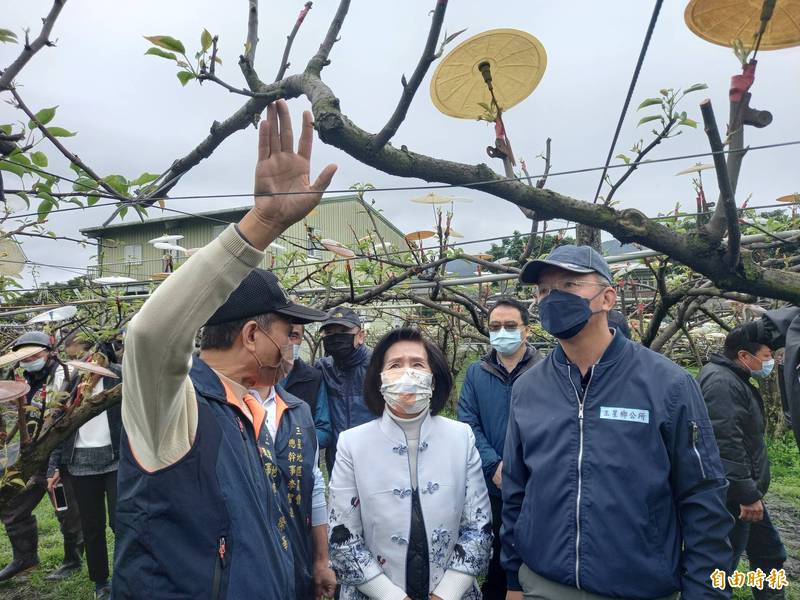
x=202 y=509
x=612 y=481
x=343 y=369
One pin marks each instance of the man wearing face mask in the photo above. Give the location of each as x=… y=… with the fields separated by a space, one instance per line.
x=612 y=481
x=737 y=413
x=343 y=370
x=483 y=405
x=202 y=509
x=305 y=382
x=45 y=375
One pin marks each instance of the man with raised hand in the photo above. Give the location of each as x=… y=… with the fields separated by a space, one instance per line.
x=199 y=512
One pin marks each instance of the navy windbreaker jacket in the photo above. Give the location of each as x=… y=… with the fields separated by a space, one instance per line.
x=483 y=405
x=617 y=488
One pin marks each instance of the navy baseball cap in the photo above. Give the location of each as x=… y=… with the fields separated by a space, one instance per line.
x=260 y=293
x=342 y=315
x=577 y=259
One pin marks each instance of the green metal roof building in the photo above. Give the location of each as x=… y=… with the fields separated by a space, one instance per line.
x=126 y=250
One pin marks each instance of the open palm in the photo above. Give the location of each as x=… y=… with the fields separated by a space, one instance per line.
x=283 y=192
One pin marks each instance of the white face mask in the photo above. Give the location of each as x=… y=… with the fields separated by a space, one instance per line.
x=34 y=365
x=408 y=391
x=295 y=351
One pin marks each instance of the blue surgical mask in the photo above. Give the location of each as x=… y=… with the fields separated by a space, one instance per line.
x=505 y=342
x=564 y=315
x=765 y=370
x=34 y=365
x=296 y=351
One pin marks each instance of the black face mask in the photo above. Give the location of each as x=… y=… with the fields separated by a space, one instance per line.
x=339 y=346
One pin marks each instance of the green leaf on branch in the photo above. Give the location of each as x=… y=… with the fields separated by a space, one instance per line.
x=185 y=77
x=123 y=211
x=649 y=102
x=60 y=132
x=161 y=53
x=695 y=88
x=12 y=167
x=206 y=39
x=75 y=201
x=92 y=200
x=6 y=128
x=623 y=158
x=166 y=42
x=688 y=122
x=118 y=183
x=39 y=159
x=24 y=197
x=8 y=36
x=44 y=209
x=83 y=184
x=644 y=120
x=44 y=116
x=144 y=178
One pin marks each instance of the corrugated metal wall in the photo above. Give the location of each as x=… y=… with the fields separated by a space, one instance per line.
x=333 y=220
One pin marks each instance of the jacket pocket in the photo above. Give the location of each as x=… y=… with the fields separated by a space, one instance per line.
x=703 y=446
x=219 y=567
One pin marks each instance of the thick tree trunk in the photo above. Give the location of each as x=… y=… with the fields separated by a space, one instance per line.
x=588 y=236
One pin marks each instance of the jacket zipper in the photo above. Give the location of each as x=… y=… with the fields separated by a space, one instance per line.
x=581 y=400
x=218 y=567
x=695 y=437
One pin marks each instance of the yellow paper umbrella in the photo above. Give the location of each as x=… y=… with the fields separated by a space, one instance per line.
x=789 y=198
x=517 y=61
x=697 y=168
x=418 y=236
x=724 y=21
x=11 y=390
x=433 y=198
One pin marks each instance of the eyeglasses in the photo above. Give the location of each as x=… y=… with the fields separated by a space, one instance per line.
x=569 y=286
x=507 y=325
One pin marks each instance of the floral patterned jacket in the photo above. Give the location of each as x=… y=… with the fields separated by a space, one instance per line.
x=370 y=503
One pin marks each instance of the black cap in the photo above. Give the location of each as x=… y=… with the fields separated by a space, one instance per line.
x=618 y=321
x=577 y=259
x=342 y=315
x=258 y=294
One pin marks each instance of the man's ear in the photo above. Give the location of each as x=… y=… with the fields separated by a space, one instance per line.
x=609 y=298
x=248 y=335
x=360 y=337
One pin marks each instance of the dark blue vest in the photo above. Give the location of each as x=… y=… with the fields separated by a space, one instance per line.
x=206 y=526
x=295 y=447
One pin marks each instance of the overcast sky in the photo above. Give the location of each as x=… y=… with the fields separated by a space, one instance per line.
x=132 y=115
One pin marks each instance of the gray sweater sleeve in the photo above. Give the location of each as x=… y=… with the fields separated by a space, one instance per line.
x=159 y=409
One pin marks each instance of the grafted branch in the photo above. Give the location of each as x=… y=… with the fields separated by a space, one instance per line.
x=726 y=195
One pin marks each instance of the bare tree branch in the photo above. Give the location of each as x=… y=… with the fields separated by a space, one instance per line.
x=43 y=39
x=410 y=87
x=290 y=40
x=628 y=225
x=320 y=59
x=727 y=200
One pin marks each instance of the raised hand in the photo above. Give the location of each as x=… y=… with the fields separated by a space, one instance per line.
x=283 y=192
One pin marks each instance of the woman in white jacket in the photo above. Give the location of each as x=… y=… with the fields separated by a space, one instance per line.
x=409 y=512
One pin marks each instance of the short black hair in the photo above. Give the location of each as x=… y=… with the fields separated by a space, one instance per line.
x=442 y=379
x=222 y=335
x=78 y=338
x=738 y=339
x=513 y=303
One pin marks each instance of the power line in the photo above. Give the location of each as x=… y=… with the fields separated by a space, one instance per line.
x=476 y=184
x=669 y=217
x=631 y=87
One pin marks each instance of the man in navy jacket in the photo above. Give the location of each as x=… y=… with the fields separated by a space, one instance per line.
x=483 y=405
x=612 y=481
